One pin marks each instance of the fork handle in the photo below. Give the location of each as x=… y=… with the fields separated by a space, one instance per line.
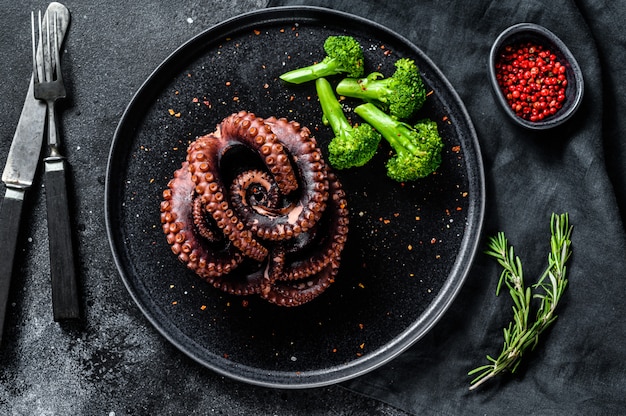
x=65 y=299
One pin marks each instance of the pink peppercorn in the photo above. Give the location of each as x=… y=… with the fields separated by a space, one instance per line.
x=532 y=80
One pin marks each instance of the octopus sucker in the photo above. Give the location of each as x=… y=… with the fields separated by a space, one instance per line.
x=274 y=206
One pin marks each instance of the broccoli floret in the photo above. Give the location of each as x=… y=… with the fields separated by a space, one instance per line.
x=352 y=146
x=400 y=95
x=417 y=148
x=343 y=55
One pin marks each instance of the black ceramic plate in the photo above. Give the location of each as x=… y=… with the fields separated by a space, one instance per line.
x=410 y=246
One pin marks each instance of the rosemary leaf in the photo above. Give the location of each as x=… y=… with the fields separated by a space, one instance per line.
x=521 y=335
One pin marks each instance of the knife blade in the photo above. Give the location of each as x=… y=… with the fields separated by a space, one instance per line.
x=21 y=167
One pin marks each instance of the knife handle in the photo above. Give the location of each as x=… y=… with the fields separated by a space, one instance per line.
x=10 y=216
x=65 y=299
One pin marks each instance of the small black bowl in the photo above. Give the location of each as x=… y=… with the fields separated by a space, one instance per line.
x=539 y=35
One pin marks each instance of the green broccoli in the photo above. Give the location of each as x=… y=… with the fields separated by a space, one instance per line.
x=352 y=146
x=400 y=95
x=418 y=148
x=343 y=55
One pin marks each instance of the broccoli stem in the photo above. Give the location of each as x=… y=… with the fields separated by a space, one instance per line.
x=300 y=75
x=367 y=89
x=333 y=113
x=395 y=132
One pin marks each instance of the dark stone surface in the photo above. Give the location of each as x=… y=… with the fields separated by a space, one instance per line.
x=113 y=362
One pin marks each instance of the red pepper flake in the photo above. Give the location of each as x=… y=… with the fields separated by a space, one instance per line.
x=175 y=302
x=444 y=118
x=431 y=92
x=459 y=208
x=361 y=285
x=433 y=240
x=203 y=307
x=359 y=354
x=396 y=214
x=334 y=350
x=409 y=247
x=465 y=194
x=362 y=346
x=361 y=326
x=207 y=103
x=245 y=303
x=417 y=218
x=456 y=149
x=282 y=30
x=235 y=99
x=228 y=83
x=266 y=85
x=387 y=52
x=195 y=100
x=257 y=32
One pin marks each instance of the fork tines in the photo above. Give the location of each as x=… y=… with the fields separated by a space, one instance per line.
x=45 y=70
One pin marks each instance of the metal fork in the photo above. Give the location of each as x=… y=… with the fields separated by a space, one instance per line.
x=49 y=87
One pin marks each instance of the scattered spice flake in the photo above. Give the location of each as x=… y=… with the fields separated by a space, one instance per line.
x=266 y=85
x=176 y=92
x=235 y=99
x=459 y=208
x=334 y=350
x=431 y=92
x=433 y=240
x=361 y=326
x=151 y=180
x=359 y=354
x=225 y=356
x=456 y=149
x=409 y=247
x=173 y=113
x=203 y=307
x=245 y=303
x=282 y=30
x=361 y=285
x=228 y=83
x=171 y=286
x=195 y=100
x=418 y=218
x=257 y=32
x=396 y=214
x=465 y=194
x=175 y=302
x=362 y=346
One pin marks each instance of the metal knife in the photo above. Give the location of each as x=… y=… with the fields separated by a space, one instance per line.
x=21 y=166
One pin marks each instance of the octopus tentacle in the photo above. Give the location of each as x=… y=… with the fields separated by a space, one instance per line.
x=290 y=293
x=328 y=242
x=179 y=226
x=203 y=157
x=299 y=214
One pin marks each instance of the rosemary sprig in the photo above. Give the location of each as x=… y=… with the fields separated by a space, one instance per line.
x=521 y=334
